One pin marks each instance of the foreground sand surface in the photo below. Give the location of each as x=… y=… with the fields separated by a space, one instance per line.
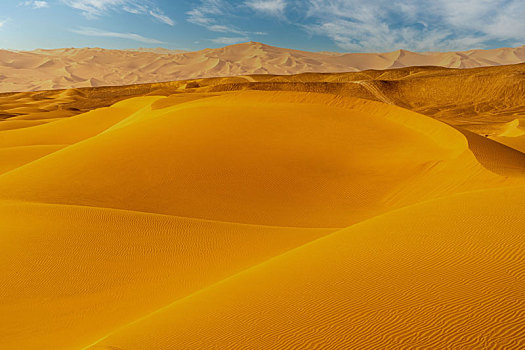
x=91 y=67
x=369 y=210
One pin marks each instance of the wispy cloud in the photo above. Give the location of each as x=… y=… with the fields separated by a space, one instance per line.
x=381 y=25
x=229 y=41
x=353 y=25
x=214 y=15
x=135 y=9
x=35 y=4
x=107 y=34
x=162 y=17
x=208 y=14
x=270 y=7
x=96 y=8
x=3 y=22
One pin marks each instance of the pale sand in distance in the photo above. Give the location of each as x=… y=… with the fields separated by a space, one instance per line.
x=81 y=67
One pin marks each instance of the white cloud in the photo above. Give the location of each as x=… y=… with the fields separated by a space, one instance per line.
x=162 y=17
x=271 y=7
x=383 y=25
x=217 y=15
x=107 y=34
x=35 y=4
x=135 y=8
x=96 y=8
x=229 y=41
x=3 y=22
x=380 y=25
x=208 y=13
x=40 y=4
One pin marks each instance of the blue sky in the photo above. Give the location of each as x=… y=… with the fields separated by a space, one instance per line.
x=314 y=25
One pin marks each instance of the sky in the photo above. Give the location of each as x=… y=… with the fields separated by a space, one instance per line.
x=313 y=25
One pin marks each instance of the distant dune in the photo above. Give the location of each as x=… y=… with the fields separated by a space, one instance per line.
x=365 y=210
x=92 y=67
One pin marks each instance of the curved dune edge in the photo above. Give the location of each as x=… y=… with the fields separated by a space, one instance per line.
x=402 y=280
x=295 y=159
x=496 y=156
x=15 y=157
x=71 y=274
x=74 y=129
x=514 y=136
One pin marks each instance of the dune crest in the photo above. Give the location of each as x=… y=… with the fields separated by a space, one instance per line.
x=91 y=67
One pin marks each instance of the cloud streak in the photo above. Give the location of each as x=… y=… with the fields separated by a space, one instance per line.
x=162 y=17
x=35 y=4
x=350 y=25
x=380 y=25
x=209 y=14
x=229 y=40
x=96 y=8
x=107 y=34
x=215 y=16
x=269 y=7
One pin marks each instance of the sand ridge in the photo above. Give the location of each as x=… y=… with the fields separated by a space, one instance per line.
x=481 y=100
x=72 y=67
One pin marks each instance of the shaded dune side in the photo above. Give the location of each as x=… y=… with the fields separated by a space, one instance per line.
x=273 y=158
x=21 y=144
x=24 y=145
x=495 y=156
x=14 y=157
x=443 y=274
x=72 y=274
x=18 y=124
x=74 y=129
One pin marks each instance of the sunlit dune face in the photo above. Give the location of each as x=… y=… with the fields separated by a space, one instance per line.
x=93 y=67
x=283 y=163
x=371 y=210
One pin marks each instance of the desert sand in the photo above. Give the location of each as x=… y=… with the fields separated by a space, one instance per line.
x=365 y=210
x=92 y=67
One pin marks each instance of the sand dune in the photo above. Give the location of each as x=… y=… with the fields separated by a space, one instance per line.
x=486 y=101
x=71 y=68
x=264 y=167
x=404 y=280
x=90 y=270
x=366 y=210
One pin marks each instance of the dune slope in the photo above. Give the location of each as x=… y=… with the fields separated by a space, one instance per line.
x=70 y=274
x=407 y=279
x=295 y=159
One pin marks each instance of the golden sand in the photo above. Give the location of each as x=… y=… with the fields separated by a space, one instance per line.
x=342 y=211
